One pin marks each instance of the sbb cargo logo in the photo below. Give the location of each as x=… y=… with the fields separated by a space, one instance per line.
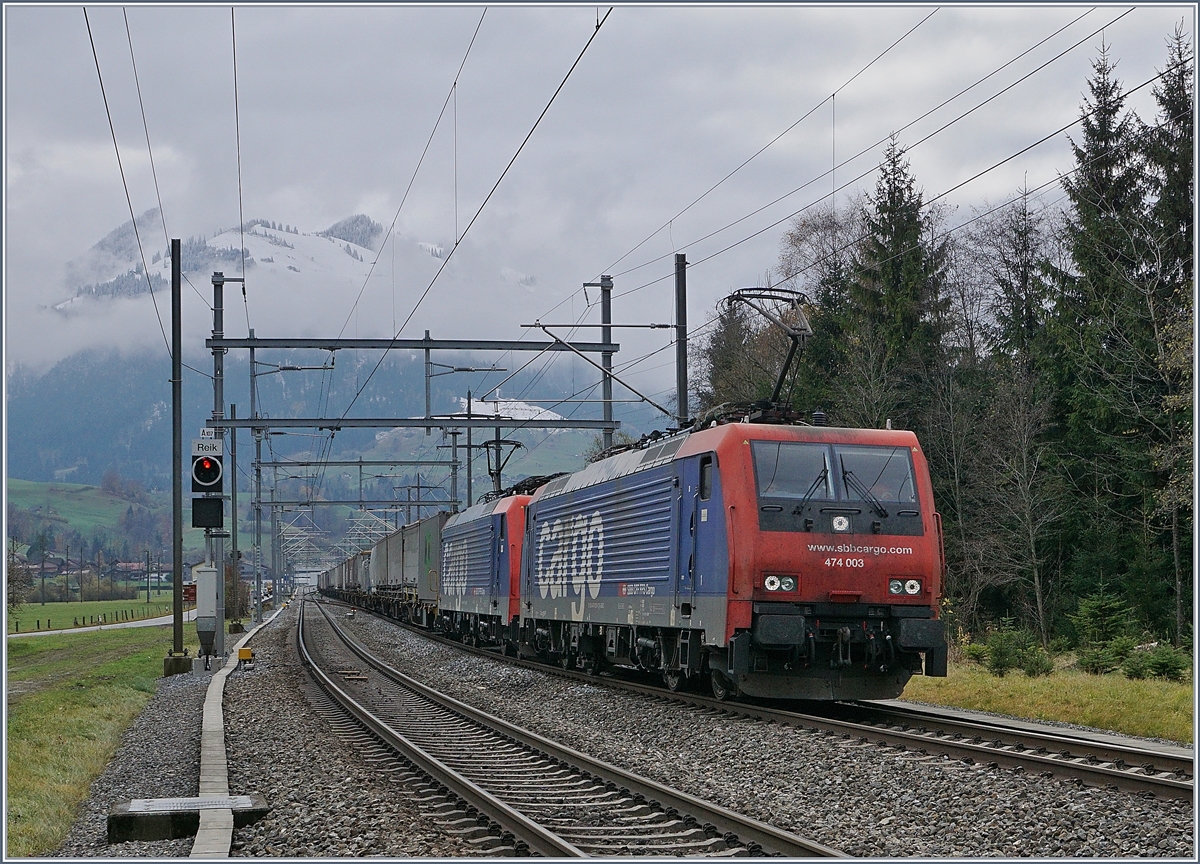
x=570 y=557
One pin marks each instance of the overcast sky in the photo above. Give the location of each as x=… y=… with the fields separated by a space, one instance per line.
x=336 y=104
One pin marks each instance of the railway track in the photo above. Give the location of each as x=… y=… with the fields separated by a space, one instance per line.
x=524 y=793
x=1067 y=753
x=1167 y=773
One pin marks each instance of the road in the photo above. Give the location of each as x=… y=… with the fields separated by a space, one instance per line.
x=190 y=615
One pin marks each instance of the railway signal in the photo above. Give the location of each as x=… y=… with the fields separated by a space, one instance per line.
x=208 y=474
x=207 y=468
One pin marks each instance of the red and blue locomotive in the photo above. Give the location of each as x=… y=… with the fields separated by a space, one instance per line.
x=774 y=560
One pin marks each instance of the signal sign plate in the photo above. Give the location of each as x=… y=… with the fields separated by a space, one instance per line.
x=208 y=447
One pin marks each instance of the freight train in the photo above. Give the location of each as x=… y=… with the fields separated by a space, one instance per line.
x=771 y=559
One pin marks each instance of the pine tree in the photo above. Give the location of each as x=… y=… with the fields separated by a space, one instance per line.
x=1168 y=150
x=1017 y=266
x=896 y=306
x=1113 y=326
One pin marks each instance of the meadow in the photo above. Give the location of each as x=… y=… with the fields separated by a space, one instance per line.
x=1148 y=708
x=70 y=699
x=66 y=616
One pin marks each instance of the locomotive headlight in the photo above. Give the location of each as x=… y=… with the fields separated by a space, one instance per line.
x=787 y=583
x=841 y=524
x=912 y=586
x=895 y=586
x=771 y=583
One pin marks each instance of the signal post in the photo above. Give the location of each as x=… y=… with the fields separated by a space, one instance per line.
x=208 y=512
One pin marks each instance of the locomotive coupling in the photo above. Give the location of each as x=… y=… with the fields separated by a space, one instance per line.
x=841 y=648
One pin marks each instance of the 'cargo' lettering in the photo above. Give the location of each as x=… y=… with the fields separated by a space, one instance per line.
x=454 y=580
x=570 y=557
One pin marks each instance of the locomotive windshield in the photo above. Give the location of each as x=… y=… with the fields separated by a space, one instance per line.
x=880 y=473
x=821 y=472
x=787 y=470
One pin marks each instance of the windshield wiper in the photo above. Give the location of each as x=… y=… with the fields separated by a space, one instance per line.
x=821 y=478
x=851 y=480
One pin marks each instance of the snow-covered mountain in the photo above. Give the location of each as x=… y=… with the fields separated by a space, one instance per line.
x=514 y=408
x=511 y=408
x=276 y=253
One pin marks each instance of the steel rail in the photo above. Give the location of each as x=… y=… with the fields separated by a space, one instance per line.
x=1110 y=751
x=747 y=828
x=538 y=838
x=989 y=753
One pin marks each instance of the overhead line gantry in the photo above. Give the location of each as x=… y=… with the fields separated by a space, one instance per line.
x=260 y=426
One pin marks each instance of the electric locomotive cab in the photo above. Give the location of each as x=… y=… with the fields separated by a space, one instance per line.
x=842 y=560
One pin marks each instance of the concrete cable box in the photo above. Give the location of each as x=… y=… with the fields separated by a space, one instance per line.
x=172 y=818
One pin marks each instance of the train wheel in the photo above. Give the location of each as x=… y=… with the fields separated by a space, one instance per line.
x=722 y=689
x=674 y=680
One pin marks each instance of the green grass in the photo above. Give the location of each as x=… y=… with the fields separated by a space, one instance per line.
x=84 y=508
x=1148 y=708
x=88 y=510
x=61 y=616
x=70 y=699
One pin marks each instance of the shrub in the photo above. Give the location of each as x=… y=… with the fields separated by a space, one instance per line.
x=975 y=653
x=1101 y=617
x=1059 y=644
x=1136 y=665
x=1096 y=661
x=1166 y=662
x=1004 y=650
x=1035 y=662
x=1121 y=648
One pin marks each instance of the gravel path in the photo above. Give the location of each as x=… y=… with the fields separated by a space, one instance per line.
x=159 y=757
x=864 y=800
x=324 y=800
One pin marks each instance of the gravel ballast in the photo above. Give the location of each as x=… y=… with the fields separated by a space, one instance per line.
x=324 y=800
x=159 y=757
x=863 y=800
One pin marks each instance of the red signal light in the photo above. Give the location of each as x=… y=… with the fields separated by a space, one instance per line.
x=206 y=474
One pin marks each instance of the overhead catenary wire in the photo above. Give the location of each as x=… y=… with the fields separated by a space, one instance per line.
x=668 y=224
x=979 y=216
x=763 y=149
x=949 y=191
x=1053 y=181
x=795 y=273
x=162 y=215
x=125 y=184
x=389 y=234
x=871 y=147
x=971 y=178
x=327 y=445
x=480 y=209
x=237 y=130
x=872 y=170
x=1007 y=159
x=976 y=83
x=834 y=168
